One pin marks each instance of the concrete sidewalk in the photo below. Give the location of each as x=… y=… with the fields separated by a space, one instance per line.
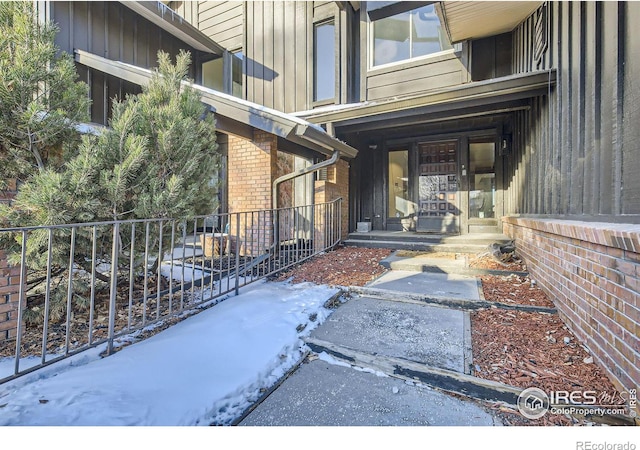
x=338 y=390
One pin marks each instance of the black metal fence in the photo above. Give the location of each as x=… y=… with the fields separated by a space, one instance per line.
x=67 y=288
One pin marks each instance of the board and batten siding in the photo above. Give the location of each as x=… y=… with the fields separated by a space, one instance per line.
x=580 y=154
x=278 y=54
x=113 y=31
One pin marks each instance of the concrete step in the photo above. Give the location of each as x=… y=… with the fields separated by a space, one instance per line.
x=418 y=245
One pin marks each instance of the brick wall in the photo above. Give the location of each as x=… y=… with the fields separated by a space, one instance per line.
x=9 y=282
x=336 y=186
x=592 y=272
x=252 y=167
x=9 y=298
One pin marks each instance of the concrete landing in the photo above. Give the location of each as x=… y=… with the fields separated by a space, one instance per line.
x=438 y=284
x=438 y=337
x=322 y=394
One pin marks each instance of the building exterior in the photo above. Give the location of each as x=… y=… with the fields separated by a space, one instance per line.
x=447 y=117
x=472 y=117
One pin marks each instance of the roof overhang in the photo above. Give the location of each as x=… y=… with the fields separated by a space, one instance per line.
x=234 y=115
x=489 y=95
x=477 y=19
x=167 y=19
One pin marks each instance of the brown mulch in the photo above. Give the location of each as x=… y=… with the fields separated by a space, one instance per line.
x=515 y=290
x=526 y=349
x=346 y=266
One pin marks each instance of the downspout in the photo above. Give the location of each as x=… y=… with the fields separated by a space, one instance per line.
x=290 y=176
x=298 y=173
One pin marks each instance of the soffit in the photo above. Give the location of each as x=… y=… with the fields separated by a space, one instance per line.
x=477 y=19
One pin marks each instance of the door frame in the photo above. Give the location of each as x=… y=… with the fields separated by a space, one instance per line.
x=463 y=138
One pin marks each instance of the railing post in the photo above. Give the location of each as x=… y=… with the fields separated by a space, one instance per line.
x=339 y=219
x=114 y=285
x=237 y=289
x=72 y=251
x=21 y=300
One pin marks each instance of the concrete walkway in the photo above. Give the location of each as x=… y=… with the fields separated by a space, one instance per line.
x=336 y=389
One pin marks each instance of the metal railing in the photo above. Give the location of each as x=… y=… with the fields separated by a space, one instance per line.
x=83 y=285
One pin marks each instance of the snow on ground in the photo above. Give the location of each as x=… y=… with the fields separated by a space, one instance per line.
x=206 y=369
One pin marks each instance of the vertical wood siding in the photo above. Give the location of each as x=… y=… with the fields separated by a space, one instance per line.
x=111 y=30
x=278 y=54
x=577 y=150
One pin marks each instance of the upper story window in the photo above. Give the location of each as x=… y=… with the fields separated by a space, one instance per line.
x=224 y=74
x=407 y=35
x=324 y=61
x=237 y=58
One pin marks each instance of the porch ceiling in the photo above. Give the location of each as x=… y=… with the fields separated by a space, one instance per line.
x=473 y=19
x=483 y=96
x=234 y=115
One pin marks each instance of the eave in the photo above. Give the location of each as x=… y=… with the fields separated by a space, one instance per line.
x=234 y=115
x=479 y=94
x=164 y=17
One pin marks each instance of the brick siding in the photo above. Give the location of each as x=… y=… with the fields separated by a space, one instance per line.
x=336 y=186
x=9 y=282
x=592 y=273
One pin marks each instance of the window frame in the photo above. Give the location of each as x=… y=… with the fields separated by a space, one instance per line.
x=371 y=47
x=333 y=20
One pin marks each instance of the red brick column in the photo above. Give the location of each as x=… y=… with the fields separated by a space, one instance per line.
x=9 y=282
x=9 y=298
x=592 y=273
x=252 y=169
x=335 y=186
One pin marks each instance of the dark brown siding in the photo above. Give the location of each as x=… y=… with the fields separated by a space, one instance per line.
x=577 y=150
x=111 y=30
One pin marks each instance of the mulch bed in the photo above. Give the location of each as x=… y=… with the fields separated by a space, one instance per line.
x=522 y=349
x=514 y=289
x=346 y=266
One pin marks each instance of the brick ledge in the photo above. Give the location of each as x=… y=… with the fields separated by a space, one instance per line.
x=624 y=236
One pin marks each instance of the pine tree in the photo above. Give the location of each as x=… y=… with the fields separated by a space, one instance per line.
x=157 y=159
x=41 y=98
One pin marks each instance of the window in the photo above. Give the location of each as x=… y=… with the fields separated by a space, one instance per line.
x=482 y=177
x=213 y=74
x=236 y=74
x=399 y=200
x=408 y=35
x=224 y=74
x=324 y=62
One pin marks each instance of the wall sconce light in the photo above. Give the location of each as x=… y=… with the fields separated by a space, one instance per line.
x=505 y=145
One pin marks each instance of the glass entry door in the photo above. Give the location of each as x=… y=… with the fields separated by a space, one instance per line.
x=482 y=179
x=438 y=188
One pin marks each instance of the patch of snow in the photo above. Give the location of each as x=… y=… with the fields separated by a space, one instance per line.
x=206 y=369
